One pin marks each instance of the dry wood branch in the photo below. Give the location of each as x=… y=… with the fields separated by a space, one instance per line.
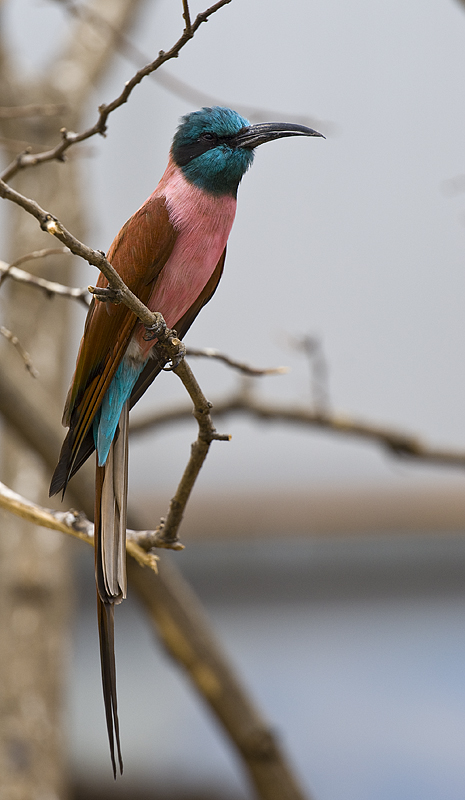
x=69 y=138
x=187 y=16
x=22 y=352
x=167 y=534
x=72 y=522
x=398 y=443
x=246 y=369
x=51 y=288
x=37 y=254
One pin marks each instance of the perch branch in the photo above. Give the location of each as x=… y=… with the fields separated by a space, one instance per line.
x=167 y=532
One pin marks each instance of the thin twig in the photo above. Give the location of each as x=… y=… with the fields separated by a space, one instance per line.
x=187 y=16
x=318 y=368
x=22 y=352
x=47 y=251
x=51 y=288
x=210 y=352
x=69 y=138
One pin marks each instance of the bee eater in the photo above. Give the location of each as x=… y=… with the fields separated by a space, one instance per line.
x=171 y=254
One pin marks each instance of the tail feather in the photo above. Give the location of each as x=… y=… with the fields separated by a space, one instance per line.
x=106 y=628
x=110 y=566
x=111 y=555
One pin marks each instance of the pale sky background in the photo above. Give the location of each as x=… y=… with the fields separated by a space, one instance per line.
x=353 y=239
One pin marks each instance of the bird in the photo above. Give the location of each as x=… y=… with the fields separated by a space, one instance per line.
x=171 y=254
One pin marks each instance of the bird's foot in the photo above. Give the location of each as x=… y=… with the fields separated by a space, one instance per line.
x=159 y=330
x=177 y=356
x=171 y=349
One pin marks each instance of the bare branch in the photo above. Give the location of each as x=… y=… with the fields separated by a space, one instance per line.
x=187 y=16
x=312 y=347
x=48 y=251
x=72 y=522
x=51 y=288
x=398 y=443
x=69 y=138
x=167 y=533
x=22 y=352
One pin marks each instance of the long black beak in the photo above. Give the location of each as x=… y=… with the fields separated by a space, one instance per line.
x=267 y=131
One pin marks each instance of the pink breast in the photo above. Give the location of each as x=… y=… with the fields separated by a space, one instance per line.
x=204 y=223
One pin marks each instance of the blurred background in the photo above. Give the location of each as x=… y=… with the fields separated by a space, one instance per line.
x=333 y=573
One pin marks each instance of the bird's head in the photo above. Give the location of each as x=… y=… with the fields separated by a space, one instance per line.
x=214 y=147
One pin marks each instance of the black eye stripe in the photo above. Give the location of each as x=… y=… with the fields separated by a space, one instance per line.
x=184 y=153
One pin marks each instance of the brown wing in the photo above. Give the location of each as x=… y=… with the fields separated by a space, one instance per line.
x=138 y=254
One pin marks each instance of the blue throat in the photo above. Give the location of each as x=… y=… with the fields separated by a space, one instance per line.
x=107 y=417
x=203 y=147
x=219 y=171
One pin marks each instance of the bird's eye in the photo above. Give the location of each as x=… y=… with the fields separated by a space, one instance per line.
x=209 y=137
